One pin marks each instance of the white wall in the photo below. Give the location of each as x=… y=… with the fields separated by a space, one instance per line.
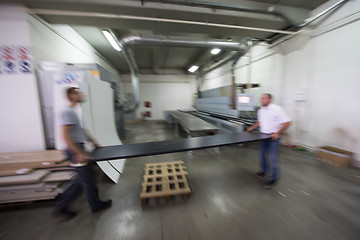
x=323 y=64
x=165 y=92
x=21 y=127
x=61 y=43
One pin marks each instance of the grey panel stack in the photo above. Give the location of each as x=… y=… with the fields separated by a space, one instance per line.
x=217 y=105
x=217 y=92
x=225 y=126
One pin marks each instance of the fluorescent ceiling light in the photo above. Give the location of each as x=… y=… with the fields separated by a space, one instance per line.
x=111 y=40
x=193 y=68
x=215 y=51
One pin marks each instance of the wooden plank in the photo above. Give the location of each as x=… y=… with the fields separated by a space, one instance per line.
x=161 y=179
x=60 y=176
x=161 y=164
x=33 y=165
x=165 y=168
x=23 y=188
x=165 y=171
x=38 y=156
x=14 y=172
x=165 y=189
x=33 y=177
x=54 y=169
x=29 y=197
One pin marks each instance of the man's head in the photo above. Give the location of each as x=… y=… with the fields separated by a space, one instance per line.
x=75 y=95
x=266 y=99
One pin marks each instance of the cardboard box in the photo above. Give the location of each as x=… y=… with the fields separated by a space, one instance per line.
x=335 y=156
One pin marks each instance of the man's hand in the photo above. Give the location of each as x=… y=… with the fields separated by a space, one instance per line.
x=254 y=126
x=96 y=145
x=81 y=158
x=275 y=136
x=284 y=126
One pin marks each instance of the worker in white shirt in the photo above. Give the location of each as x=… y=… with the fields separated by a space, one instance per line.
x=273 y=120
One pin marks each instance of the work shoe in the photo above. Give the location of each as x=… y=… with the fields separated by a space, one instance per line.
x=269 y=184
x=104 y=205
x=261 y=175
x=63 y=213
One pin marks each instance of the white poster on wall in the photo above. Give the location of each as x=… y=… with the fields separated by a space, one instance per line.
x=24 y=58
x=15 y=60
x=8 y=60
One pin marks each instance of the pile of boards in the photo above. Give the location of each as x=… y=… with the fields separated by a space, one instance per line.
x=31 y=176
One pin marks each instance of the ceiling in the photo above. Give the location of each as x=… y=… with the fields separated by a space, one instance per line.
x=275 y=15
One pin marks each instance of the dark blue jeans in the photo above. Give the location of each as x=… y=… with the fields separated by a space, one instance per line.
x=269 y=157
x=86 y=182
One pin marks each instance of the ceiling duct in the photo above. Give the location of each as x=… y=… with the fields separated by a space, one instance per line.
x=172 y=42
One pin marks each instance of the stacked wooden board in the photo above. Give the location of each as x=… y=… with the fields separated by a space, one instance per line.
x=164 y=180
x=30 y=176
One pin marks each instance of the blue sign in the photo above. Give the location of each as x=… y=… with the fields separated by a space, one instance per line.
x=69 y=78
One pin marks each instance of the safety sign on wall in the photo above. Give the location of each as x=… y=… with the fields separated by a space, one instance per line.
x=15 y=60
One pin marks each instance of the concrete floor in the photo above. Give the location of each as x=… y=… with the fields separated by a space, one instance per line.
x=313 y=200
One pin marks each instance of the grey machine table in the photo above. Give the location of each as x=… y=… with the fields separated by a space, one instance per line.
x=191 y=124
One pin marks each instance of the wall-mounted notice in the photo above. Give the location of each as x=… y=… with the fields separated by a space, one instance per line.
x=24 y=59
x=15 y=60
x=8 y=60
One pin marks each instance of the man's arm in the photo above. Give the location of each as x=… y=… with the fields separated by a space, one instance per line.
x=284 y=126
x=254 y=126
x=79 y=154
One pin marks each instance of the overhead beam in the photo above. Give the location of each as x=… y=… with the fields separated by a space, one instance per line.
x=193 y=3
x=153 y=19
x=296 y=15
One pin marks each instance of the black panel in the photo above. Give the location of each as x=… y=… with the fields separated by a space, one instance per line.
x=172 y=146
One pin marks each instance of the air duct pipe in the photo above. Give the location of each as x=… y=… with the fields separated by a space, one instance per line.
x=134 y=70
x=171 y=42
x=234 y=56
x=231 y=57
x=233 y=82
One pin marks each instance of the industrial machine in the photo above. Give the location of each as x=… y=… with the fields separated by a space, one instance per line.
x=216 y=106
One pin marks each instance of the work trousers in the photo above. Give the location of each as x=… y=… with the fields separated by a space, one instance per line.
x=269 y=157
x=85 y=181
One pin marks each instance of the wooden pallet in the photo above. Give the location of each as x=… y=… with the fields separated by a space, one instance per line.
x=165 y=168
x=164 y=180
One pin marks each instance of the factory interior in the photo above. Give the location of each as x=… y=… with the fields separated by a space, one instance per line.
x=179 y=119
